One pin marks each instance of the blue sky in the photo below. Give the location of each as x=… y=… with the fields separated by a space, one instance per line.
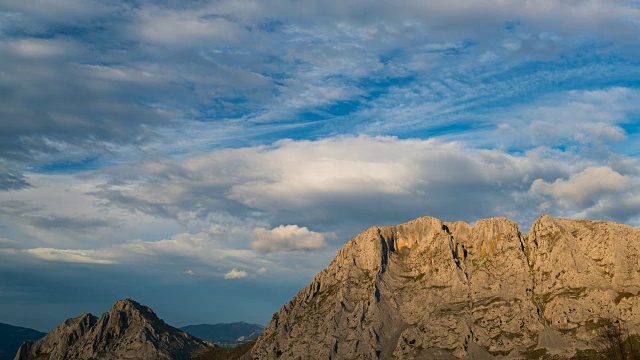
x=208 y=158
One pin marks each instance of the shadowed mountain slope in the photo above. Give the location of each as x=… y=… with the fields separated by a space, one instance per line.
x=11 y=337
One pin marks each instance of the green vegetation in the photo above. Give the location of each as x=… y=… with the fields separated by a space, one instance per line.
x=623 y=295
x=534 y=354
x=571 y=332
x=439 y=287
x=414 y=278
x=488 y=301
x=499 y=353
x=615 y=342
x=586 y=354
x=220 y=353
x=571 y=292
x=512 y=336
x=367 y=276
x=323 y=295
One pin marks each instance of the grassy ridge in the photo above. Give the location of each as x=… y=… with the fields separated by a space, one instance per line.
x=220 y=353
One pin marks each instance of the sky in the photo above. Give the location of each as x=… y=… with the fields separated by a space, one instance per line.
x=208 y=158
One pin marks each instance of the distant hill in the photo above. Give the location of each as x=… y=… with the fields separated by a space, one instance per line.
x=11 y=337
x=127 y=331
x=240 y=352
x=225 y=334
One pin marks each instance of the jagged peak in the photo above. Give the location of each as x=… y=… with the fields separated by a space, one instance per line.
x=495 y=225
x=72 y=323
x=127 y=321
x=80 y=317
x=134 y=309
x=126 y=303
x=129 y=305
x=497 y=218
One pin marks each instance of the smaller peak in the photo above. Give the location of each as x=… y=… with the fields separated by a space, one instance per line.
x=125 y=303
x=499 y=221
x=84 y=317
x=543 y=219
x=130 y=306
x=134 y=308
x=426 y=218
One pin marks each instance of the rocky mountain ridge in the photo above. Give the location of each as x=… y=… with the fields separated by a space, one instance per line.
x=127 y=331
x=429 y=289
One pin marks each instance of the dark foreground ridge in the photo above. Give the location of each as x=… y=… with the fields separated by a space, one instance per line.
x=239 y=352
x=127 y=331
x=11 y=337
x=429 y=289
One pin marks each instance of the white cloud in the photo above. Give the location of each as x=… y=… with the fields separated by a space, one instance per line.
x=38 y=48
x=575 y=119
x=8 y=243
x=328 y=183
x=205 y=253
x=582 y=187
x=286 y=238
x=235 y=274
x=72 y=256
x=625 y=206
x=179 y=28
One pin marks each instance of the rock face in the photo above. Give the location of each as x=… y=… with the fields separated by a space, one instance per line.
x=433 y=290
x=127 y=331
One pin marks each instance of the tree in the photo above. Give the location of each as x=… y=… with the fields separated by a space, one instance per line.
x=614 y=341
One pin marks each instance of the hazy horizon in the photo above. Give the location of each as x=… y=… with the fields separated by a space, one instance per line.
x=207 y=159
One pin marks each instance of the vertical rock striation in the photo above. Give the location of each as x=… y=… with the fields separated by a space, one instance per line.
x=428 y=290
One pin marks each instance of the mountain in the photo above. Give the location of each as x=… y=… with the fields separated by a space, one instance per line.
x=225 y=334
x=11 y=337
x=429 y=289
x=127 y=331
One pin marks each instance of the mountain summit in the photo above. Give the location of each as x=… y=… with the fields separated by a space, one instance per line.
x=429 y=289
x=127 y=331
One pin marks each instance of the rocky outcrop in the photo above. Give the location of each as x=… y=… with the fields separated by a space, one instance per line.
x=433 y=290
x=127 y=331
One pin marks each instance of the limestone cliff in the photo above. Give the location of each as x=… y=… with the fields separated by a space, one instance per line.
x=127 y=331
x=428 y=290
